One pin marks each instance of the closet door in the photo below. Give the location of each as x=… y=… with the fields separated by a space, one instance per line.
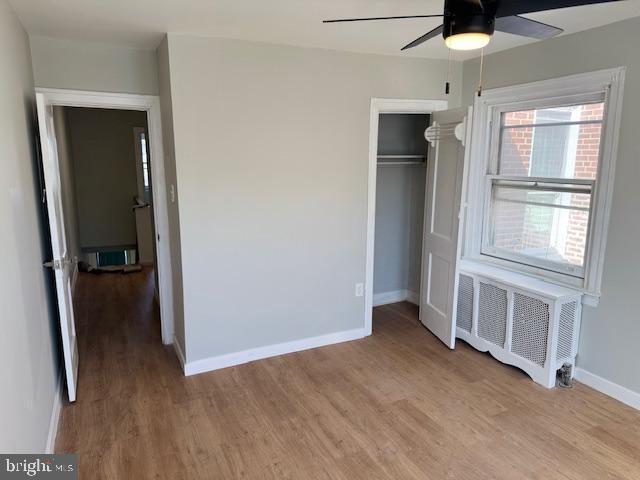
x=440 y=253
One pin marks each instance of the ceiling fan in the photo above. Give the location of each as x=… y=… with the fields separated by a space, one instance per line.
x=469 y=24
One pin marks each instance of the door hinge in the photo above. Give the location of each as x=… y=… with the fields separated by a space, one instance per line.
x=55 y=264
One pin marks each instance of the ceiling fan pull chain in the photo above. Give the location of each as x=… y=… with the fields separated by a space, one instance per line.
x=447 y=85
x=481 y=68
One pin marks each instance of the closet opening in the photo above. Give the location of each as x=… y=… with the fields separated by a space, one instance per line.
x=414 y=214
x=401 y=174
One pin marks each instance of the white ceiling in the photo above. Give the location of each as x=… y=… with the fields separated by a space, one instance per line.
x=142 y=23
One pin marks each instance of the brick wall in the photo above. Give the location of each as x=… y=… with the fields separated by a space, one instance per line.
x=587 y=156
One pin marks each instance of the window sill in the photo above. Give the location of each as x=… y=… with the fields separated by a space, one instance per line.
x=543 y=285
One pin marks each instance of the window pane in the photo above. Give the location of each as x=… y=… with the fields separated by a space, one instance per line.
x=540 y=143
x=540 y=224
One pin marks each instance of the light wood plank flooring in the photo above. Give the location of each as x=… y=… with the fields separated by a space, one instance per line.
x=397 y=405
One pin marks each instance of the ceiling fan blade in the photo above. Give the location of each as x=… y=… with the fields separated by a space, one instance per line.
x=433 y=33
x=526 y=27
x=368 y=19
x=506 y=8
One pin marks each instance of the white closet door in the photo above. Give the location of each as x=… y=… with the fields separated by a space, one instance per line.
x=440 y=253
x=61 y=262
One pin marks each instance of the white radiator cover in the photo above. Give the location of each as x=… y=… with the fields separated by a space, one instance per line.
x=521 y=321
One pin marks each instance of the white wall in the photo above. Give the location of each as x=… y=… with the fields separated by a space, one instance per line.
x=400 y=199
x=61 y=63
x=271 y=146
x=611 y=332
x=103 y=151
x=28 y=351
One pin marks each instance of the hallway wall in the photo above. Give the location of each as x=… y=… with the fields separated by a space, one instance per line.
x=28 y=344
x=104 y=170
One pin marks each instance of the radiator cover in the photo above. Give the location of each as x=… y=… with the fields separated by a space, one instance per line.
x=521 y=321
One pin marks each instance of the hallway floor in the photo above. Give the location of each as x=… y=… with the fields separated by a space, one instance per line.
x=397 y=405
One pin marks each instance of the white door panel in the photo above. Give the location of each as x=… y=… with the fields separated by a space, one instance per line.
x=445 y=171
x=62 y=264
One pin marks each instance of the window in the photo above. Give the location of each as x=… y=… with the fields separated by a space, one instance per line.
x=541 y=177
x=145 y=164
x=542 y=186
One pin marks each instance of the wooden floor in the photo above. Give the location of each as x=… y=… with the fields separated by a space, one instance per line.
x=397 y=405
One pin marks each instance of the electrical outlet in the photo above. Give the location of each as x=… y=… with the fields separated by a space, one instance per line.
x=172 y=193
x=359 y=289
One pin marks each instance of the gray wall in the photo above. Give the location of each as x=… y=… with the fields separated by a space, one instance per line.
x=271 y=146
x=611 y=332
x=61 y=63
x=164 y=77
x=103 y=151
x=28 y=351
x=399 y=217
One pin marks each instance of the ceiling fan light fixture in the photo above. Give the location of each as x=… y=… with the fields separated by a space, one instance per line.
x=468 y=41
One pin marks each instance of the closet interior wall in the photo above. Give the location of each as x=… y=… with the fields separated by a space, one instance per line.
x=400 y=200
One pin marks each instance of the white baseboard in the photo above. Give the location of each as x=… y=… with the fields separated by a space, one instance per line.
x=623 y=394
x=237 y=358
x=55 y=415
x=179 y=353
x=385 y=298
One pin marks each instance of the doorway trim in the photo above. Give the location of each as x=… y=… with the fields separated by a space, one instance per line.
x=378 y=106
x=151 y=105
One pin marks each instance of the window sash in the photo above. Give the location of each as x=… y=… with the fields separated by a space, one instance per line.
x=496 y=127
x=575 y=271
x=541 y=184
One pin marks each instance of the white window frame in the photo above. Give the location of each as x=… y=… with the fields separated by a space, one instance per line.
x=574 y=89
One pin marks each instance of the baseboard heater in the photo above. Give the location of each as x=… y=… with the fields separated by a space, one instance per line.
x=522 y=321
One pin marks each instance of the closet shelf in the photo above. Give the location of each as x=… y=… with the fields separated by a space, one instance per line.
x=390 y=157
x=391 y=160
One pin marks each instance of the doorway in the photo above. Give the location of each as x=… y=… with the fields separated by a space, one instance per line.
x=400 y=199
x=396 y=154
x=106 y=198
x=441 y=198
x=105 y=187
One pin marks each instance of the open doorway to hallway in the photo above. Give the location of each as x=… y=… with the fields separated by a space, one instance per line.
x=106 y=188
x=101 y=154
x=107 y=198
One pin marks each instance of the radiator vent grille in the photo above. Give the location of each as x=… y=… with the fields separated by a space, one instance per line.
x=465 y=303
x=565 y=331
x=530 y=328
x=492 y=314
